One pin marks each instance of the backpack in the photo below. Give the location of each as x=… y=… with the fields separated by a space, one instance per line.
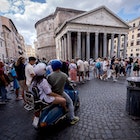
x=117 y=66
x=98 y=65
x=35 y=92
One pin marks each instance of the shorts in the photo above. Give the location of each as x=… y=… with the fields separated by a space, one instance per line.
x=80 y=73
x=22 y=84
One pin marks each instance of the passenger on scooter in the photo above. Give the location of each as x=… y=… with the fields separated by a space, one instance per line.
x=57 y=79
x=45 y=92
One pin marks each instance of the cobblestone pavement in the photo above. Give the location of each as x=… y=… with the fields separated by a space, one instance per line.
x=102 y=117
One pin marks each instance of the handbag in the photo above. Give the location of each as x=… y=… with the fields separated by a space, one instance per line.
x=10 y=77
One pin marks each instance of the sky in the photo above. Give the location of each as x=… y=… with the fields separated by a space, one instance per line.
x=25 y=13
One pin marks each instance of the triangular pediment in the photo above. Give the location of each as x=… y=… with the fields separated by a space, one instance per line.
x=100 y=16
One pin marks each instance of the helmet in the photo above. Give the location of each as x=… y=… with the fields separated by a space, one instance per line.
x=40 y=69
x=56 y=64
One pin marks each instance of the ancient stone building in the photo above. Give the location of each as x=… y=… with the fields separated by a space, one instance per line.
x=11 y=42
x=74 y=33
x=45 y=28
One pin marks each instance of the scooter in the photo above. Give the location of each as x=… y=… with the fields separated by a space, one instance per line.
x=48 y=114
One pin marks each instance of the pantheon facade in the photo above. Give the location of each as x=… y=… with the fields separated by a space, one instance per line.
x=73 y=33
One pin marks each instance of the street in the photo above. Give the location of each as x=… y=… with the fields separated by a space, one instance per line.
x=102 y=116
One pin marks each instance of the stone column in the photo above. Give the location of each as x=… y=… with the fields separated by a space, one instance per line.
x=118 y=48
x=105 y=45
x=87 y=46
x=108 y=53
x=96 y=46
x=75 y=48
x=79 y=44
x=65 y=48
x=125 y=46
x=69 y=45
x=112 y=46
x=83 y=46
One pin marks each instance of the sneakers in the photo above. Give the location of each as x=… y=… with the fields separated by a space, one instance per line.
x=115 y=80
x=18 y=98
x=75 y=120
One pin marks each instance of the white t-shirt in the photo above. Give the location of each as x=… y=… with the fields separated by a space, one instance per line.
x=80 y=65
x=105 y=64
x=28 y=71
x=86 y=65
x=44 y=91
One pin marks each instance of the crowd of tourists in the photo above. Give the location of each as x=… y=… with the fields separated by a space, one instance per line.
x=114 y=68
x=19 y=76
x=50 y=85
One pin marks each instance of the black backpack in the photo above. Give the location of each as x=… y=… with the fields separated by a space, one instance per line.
x=35 y=92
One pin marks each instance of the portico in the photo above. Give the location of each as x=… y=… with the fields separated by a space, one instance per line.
x=91 y=35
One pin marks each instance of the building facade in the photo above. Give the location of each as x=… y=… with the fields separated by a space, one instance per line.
x=12 y=42
x=133 y=47
x=30 y=51
x=45 y=28
x=2 y=43
x=83 y=34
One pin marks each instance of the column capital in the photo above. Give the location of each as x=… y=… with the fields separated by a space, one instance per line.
x=125 y=35
x=78 y=33
x=119 y=35
x=69 y=32
x=105 y=34
x=112 y=34
x=88 y=33
x=96 y=33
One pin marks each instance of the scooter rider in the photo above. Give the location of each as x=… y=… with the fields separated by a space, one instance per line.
x=45 y=91
x=57 y=79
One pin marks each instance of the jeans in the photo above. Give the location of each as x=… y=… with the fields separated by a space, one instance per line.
x=70 y=105
x=3 y=92
x=128 y=70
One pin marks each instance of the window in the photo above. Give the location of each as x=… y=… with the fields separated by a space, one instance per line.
x=132 y=43
x=133 y=24
x=131 y=54
x=138 y=35
x=138 y=42
x=137 y=49
x=137 y=54
x=132 y=36
x=131 y=50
